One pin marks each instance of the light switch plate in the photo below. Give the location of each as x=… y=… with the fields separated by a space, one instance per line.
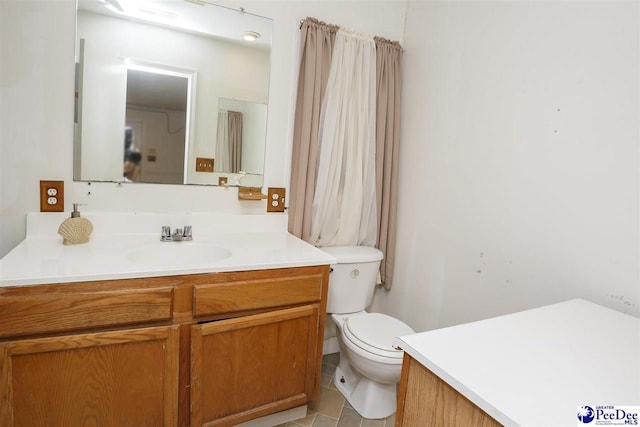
x=51 y=196
x=275 y=199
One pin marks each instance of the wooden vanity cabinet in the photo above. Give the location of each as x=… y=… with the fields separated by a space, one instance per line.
x=424 y=400
x=206 y=349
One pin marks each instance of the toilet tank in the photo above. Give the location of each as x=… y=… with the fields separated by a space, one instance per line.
x=353 y=279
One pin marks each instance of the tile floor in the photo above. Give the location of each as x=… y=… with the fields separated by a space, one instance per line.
x=332 y=410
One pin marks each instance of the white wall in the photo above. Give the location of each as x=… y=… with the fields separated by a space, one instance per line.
x=102 y=94
x=519 y=179
x=252 y=135
x=152 y=137
x=36 y=108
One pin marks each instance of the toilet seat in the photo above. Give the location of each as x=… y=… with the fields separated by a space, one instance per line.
x=374 y=333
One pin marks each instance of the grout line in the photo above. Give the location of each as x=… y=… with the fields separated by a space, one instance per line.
x=341 y=411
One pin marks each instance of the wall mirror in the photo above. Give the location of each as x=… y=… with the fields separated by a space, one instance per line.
x=161 y=83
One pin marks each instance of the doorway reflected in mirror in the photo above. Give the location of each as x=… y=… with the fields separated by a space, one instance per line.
x=132 y=157
x=158 y=121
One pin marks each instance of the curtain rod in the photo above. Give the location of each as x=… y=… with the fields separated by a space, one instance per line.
x=337 y=27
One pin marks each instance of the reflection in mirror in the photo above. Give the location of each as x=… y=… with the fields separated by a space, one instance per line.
x=155 y=125
x=151 y=87
x=241 y=126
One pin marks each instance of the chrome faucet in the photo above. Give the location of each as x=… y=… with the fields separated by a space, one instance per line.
x=179 y=234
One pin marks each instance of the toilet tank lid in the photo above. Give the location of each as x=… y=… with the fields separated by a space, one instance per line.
x=353 y=254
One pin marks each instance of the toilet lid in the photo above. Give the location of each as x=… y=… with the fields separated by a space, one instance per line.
x=375 y=333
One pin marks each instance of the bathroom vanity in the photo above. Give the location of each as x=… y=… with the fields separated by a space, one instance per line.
x=91 y=334
x=532 y=368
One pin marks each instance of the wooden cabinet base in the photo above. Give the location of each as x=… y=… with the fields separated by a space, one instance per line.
x=193 y=350
x=424 y=400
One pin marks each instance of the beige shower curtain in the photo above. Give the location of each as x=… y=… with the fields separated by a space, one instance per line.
x=235 y=141
x=317 y=39
x=389 y=89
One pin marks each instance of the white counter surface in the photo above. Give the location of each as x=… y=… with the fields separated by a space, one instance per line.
x=536 y=367
x=42 y=258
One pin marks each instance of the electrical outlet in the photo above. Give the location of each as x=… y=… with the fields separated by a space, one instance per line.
x=204 y=164
x=275 y=199
x=51 y=196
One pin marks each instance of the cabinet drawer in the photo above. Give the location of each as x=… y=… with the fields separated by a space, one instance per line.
x=256 y=294
x=54 y=312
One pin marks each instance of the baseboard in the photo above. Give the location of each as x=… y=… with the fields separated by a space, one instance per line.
x=330 y=346
x=277 y=418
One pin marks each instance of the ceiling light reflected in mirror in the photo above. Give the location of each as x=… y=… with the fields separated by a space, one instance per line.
x=184 y=16
x=250 y=36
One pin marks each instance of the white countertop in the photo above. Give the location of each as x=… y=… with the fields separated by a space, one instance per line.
x=536 y=367
x=42 y=258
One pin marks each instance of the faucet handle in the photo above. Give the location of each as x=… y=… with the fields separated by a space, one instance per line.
x=186 y=233
x=165 y=234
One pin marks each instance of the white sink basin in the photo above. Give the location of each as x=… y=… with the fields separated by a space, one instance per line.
x=169 y=254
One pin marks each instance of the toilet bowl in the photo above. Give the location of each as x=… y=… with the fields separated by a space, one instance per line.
x=369 y=367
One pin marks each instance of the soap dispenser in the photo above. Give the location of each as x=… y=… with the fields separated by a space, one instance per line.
x=75 y=230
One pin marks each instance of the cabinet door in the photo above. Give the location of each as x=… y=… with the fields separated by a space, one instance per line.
x=253 y=366
x=117 y=378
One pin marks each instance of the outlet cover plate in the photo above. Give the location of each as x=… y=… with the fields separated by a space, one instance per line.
x=275 y=199
x=51 y=196
x=204 y=164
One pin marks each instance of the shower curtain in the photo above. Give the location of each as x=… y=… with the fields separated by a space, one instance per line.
x=229 y=142
x=315 y=62
x=344 y=204
x=317 y=40
x=235 y=141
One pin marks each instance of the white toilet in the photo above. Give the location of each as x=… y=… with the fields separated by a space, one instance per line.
x=369 y=367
